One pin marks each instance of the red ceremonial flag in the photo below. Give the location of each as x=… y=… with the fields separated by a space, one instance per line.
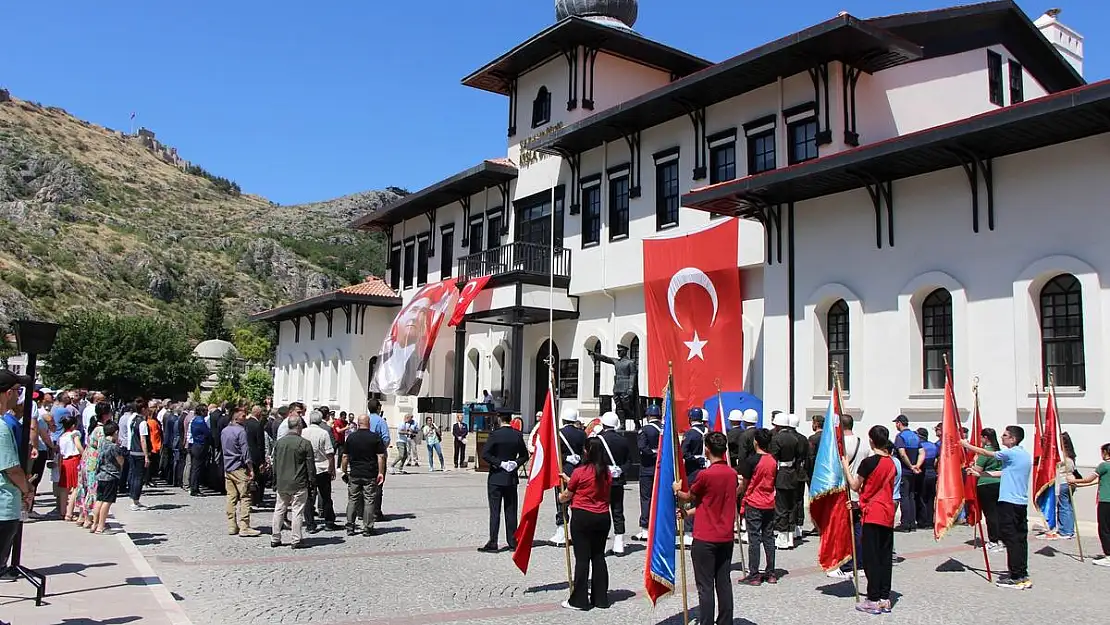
x=1038 y=433
x=950 y=464
x=544 y=474
x=694 y=313
x=1044 y=475
x=468 y=294
x=971 y=482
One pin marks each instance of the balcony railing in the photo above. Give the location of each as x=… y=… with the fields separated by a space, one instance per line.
x=530 y=259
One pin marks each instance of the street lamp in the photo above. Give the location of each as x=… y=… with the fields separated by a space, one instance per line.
x=32 y=338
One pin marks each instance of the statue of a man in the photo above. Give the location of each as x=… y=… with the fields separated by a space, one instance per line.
x=626 y=402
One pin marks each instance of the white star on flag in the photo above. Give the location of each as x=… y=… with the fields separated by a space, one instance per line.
x=695 y=347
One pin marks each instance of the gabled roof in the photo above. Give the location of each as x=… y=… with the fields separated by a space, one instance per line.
x=844 y=38
x=371 y=292
x=575 y=31
x=1053 y=119
x=488 y=173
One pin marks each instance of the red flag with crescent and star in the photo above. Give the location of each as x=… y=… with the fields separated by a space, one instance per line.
x=694 y=313
x=466 y=296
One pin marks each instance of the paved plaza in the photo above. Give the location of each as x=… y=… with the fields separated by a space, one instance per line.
x=423 y=568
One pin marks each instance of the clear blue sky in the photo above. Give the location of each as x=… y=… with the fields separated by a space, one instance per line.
x=303 y=101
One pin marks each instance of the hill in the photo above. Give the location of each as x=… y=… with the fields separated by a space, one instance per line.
x=92 y=217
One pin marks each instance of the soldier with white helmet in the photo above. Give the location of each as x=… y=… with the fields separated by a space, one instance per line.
x=801 y=474
x=647 y=442
x=572 y=447
x=619 y=453
x=735 y=430
x=785 y=449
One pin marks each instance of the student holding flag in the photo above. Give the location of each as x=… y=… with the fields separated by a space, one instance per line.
x=588 y=496
x=875 y=485
x=1101 y=476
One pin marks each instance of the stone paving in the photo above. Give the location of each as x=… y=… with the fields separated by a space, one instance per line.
x=423 y=569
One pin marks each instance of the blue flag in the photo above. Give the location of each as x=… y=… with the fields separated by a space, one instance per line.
x=828 y=494
x=659 y=571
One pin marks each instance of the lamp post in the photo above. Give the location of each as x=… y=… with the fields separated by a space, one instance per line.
x=32 y=338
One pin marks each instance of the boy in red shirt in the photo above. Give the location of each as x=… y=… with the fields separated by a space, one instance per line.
x=714 y=495
x=757 y=473
x=875 y=483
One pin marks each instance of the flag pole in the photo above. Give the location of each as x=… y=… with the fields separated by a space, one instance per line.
x=979 y=526
x=1071 y=490
x=681 y=518
x=739 y=531
x=562 y=508
x=848 y=499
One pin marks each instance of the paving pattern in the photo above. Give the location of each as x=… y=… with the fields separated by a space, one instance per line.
x=423 y=569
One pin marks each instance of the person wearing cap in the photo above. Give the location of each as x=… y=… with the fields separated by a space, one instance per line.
x=790 y=454
x=735 y=431
x=504 y=452
x=693 y=444
x=907 y=446
x=647 y=442
x=572 y=448
x=802 y=474
x=324 y=457
x=619 y=454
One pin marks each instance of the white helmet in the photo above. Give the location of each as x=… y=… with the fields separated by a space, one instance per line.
x=735 y=416
x=795 y=420
x=781 y=419
x=569 y=414
x=751 y=416
x=610 y=420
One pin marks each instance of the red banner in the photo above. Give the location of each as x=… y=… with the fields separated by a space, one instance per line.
x=469 y=292
x=405 y=350
x=694 y=314
x=950 y=464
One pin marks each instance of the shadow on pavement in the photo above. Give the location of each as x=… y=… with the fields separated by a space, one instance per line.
x=118 y=620
x=951 y=565
x=143 y=538
x=547 y=588
x=616 y=596
x=72 y=567
x=165 y=506
x=390 y=530
x=842 y=590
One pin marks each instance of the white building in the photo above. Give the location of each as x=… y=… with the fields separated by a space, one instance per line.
x=909 y=186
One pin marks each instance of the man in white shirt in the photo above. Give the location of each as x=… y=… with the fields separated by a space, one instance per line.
x=856 y=450
x=324 y=457
x=90 y=410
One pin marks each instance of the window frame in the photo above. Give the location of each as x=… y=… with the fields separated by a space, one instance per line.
x=791 y=134
x=409 y=261
x=838 y=341
x=667 y=204
x=422 y=245
x=719 y=144
x=1017 y=87
x=995 y=91
x=493 y=235
x=475 y=243
x=541 y=107
x=619 y=202
x=1078 y=377
x=934 y=309
x=753 y=141
x=396 y=258
x=591 y=211
x=447 y=251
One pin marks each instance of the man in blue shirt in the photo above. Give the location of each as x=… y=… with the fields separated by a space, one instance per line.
x=926 y=497
x=908 y=448
x=1013 y=504
x=379 y=426
x=16 y=492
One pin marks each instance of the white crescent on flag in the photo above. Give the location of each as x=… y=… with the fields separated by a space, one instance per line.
x=690 y=275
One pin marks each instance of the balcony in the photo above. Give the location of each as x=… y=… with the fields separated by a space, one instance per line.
x=528 y=263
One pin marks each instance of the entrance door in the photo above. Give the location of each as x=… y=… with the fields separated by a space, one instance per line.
x=534 y=228
x=541 y=379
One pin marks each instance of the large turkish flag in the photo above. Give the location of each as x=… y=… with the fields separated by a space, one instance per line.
x=694 y=314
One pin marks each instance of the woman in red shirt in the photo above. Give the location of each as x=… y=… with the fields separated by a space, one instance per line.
x=588 y=495
x=874 y=481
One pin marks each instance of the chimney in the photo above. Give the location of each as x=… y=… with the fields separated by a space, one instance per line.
x=1066 y=41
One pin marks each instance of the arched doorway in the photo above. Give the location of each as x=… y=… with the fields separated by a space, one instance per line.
x=541 y=378
x=497 y=373
x=473 y=360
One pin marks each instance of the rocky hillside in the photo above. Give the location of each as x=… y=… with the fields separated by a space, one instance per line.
x=90 y=217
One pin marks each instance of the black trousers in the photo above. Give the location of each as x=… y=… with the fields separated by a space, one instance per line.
x=378 y=516
x=588 y=531
x=647 y=482
x=323 y=502
x=908 y=503
x=761 y=532
x=8 y=530
x=198 y=466
x=785 y=500
x=136 y=476
x=258 y=484
x=460 y=454
x=799 y=505
x=712 y=563
x=626 y=405
x=988 y=503
x=150 y=472
x=926 y=498
x=1013 y=525
x=1103 y=527
x=877 y=542
x=616 y=506
x=502 y=497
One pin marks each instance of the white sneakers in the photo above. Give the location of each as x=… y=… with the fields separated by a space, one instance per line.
x=618 y=545
x=642 y=536
x=1103 y=561
x=558 y=538
x=784 y=540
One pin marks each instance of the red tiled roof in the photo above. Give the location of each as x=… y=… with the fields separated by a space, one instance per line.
x=501 y=161
x=373 y=285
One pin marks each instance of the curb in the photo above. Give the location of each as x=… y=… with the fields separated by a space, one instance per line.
x=174 y=612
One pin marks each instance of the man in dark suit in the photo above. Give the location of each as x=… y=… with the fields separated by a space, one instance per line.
x=647 y=441
x=620 y=454
x=572 y=448
x=458 y=434
x=504 y=452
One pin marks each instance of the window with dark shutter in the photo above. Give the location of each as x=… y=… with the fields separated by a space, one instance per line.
x=410 y=262
x=803 y=140
x=541 y=108
x=421 y=261
x=836 y=334
x=591 y=215
x=446 y=252
x=395 y=267
x=618 y=206
x=666 y=194
x=994 y=78
x=1062 y=333
x=761 y=152
x=936 y=336
x=1017 y=83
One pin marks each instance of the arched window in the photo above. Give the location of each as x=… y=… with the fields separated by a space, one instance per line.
x=936 y=336
x=836 y=335
x=634 y=348
x=541 y=108
x=594 y=345
x=1062 y=332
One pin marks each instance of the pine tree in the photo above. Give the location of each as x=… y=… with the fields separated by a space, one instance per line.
x=214 y=318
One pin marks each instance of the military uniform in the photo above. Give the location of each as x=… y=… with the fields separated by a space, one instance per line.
x=504 y=444
x=620 y=455
x=647 y=441
x=693 y=449
x=572 y=442
x=784 y=448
